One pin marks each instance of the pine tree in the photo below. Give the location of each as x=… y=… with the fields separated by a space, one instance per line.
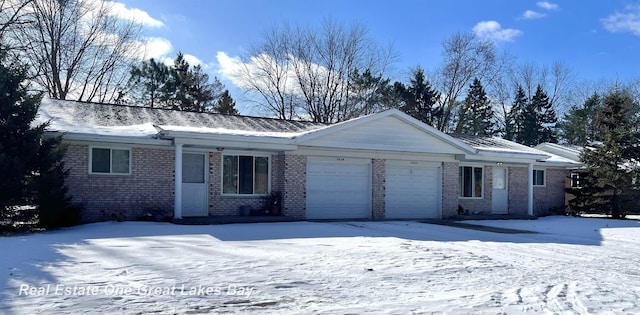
x=476 y=115
x=514 y=119
x=609 y=179
x=31 y=164
x=578 y=125
x=420 y=99
x=226 y=105
x=546 y=115
x=533 y=121
x=147 y=83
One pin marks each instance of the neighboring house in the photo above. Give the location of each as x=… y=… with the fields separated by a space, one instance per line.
x=571 y=153
x=125 y=159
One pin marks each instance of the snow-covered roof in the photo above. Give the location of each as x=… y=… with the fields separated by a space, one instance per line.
x=133 y=121
x=568 y=151
x=495 y=144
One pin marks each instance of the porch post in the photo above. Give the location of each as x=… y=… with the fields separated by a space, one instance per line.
x=177 y=206
x=530 y=189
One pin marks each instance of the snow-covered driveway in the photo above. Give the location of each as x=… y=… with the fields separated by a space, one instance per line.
x=575 y=265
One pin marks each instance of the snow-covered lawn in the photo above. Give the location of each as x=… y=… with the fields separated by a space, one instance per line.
x=575 y=265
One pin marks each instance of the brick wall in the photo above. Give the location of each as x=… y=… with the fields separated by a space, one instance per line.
x=127 y=197
x=552 y=194
x=449 y=189
x=481 y=205
x=294 y=185
x=518 y=181
x=378 y=174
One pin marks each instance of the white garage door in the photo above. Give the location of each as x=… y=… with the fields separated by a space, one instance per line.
x=338 y=189
x=412 y=192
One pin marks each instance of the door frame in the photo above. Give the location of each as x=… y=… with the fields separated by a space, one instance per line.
x=205 y=197
x=506 y=190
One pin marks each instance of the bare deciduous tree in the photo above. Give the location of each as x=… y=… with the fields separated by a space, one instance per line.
x=301 y=71
x=11 y=15
x=77 y=49
x=464 y=57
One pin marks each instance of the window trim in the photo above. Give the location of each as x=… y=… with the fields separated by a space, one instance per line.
x=254 y=155
x=544 y=177
x=110 y=148
x=577 y=180
x=484 y=173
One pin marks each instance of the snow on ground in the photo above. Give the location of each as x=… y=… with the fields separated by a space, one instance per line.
x=574 y=265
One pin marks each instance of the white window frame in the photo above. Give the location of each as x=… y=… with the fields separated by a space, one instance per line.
x=577 y=180
x=110 y=148
x=544 y=177
x=461 y=190
x=254 y=155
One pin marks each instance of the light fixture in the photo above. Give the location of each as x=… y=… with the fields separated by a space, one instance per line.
x=499 y=163
x=219 y=149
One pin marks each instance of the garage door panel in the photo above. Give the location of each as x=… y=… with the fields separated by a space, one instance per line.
x=412 y=192
x=338 y=190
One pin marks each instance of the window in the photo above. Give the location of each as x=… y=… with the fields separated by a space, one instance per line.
x=245 y=175
x=470 y=182
x=538 y=178
x=110 y=161
x=575 y=180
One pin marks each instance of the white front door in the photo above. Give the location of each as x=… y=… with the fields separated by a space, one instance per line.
x=194 y=186
x=500 y=191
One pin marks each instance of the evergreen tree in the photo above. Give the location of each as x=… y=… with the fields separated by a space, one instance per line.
x=420 y=99
x=532 y=122
x=226 y=105
x=31 y=165
x=147 y=83
x=578 y=125
x=546 y=115
x=476 y=115
x=514 y=119
x=180 y=86
x=368 y=94
x=609 y=179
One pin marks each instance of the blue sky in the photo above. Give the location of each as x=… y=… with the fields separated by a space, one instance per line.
x=598 y=40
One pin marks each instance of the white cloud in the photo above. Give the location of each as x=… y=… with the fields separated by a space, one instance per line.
x=154 y=47
x=133 y=14
x=193 y=60
x=547 y=5
x=492 y=30
x=532 y=15
x=626 y=21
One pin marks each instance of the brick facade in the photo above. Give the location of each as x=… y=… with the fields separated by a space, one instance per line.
x=378 y=179
x=123 y=197
x=552 y=194
x=151 y=183
x=294 y=199
x=518 y=195
x=449 y=189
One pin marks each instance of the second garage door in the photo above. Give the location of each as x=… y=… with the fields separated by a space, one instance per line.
x=338 y=189
x=413 y=191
